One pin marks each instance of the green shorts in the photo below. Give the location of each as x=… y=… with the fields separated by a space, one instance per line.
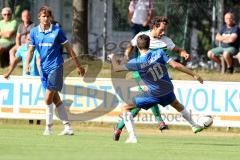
x=218 y=51
x=137 y=79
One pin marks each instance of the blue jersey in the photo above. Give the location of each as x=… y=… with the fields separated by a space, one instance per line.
x=22 y=53
x=153 y=71
x=48 y=43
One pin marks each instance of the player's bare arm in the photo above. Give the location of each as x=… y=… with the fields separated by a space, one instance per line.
x=128 y=51
x=182 y=53
x=80 y=69
x=29 y=58
x=182 y=68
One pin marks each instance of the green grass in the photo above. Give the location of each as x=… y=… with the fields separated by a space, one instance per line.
x=25 y=142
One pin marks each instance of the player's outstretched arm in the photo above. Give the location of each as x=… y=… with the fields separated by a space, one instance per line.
x=29 y=58
x=116 y=66
x=182 y=68
x=182 y=53
x=12 y=67
x=128 y=51
x=80 y=69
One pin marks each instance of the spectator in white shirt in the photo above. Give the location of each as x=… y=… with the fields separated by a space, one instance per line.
x=140 y=13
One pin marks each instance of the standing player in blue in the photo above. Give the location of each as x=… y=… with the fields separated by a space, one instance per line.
x=48 y=39
x=151 y=66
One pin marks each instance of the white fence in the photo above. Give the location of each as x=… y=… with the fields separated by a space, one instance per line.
x=23 y=98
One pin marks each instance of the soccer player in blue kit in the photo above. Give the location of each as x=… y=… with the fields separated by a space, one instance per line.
x=48 y=40
x=151 y=66
x=158 y=39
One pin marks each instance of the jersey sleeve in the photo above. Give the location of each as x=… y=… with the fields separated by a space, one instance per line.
x=62 y=37
x=170 y=44
x=132 y=65
x=166 y=58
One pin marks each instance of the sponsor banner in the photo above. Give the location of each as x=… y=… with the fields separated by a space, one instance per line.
x=101 y=100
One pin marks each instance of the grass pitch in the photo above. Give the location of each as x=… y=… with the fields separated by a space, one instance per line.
x=26 y=142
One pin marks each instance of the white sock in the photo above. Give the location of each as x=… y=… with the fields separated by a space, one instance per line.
x=186 y=115
x=62 y=113
x=128 y=120
x=49 y=115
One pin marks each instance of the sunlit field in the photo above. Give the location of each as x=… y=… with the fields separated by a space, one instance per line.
x=26 y=142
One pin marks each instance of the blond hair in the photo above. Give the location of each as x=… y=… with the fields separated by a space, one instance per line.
x=7 y=9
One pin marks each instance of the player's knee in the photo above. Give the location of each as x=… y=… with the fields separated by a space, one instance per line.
x=177 y=105
x=48 y=101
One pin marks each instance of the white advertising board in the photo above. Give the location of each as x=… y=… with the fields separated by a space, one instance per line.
x=23 y=98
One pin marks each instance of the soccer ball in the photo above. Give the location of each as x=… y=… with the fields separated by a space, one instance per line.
x=205 y=121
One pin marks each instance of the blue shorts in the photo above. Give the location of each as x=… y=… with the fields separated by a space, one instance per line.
x=146 y=101
x=53 y=80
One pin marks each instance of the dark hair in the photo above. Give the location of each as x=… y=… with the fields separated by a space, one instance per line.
x=157 y=20
x=143 y=42
x=45 y=10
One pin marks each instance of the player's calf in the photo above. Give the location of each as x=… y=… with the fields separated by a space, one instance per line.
x=117 y=134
